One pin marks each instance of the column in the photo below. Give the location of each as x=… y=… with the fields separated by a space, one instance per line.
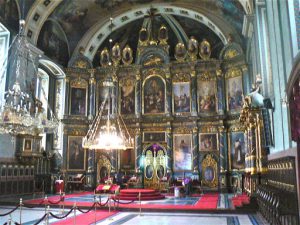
x=91 y=172
x=92 y=96
x=223 y=160
x=168 y=104
x=138 y=96
x=194 y=93
x=169 y=150
x=138 y=150
x=67 y=93
x=220 y=92
x=195 y=150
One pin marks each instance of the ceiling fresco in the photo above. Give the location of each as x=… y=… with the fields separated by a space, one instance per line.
x=71 y=20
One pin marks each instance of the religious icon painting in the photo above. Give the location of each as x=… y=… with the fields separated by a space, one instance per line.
x=237 y=150
x=127 y=97
x=78 y=101
x=234 y=93
x=27 y=144
x=76 y=153
x=154 y=95
x=154 y=137
x=208 y=142
x=181 y=97
x=103 y=99
x=182 y=150
x=127 y=159
x=206 y=96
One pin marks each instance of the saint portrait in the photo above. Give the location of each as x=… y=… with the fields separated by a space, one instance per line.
x=237 y=151
x=76 y=154
x=181 y=97
x=127 y=98
x=78 y=101
x=206 y=96
x=182 y=145
x=208 y=142
x=27 y=144
x=154 y=95
x=149 y=171
x=234 y=93
x=102 y=96
x=209 y=174
x=160 y=171
x=127 y=159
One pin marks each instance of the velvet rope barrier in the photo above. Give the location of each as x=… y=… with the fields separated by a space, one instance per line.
x=118 y=201
x=82 y=211
x=99 y=203
x=61 y=217
x=40 y=220
x=54 y=203
x=11 y=223
x=5 y=214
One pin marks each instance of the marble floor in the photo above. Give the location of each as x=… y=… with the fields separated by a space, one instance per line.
x=31 y=216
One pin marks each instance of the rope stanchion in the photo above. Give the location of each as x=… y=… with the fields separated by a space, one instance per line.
x=45 y=203
x=95 y=209
x=74 y=222
x=47 y=215
x=140 y=204
x=21 y=204
x=63 y=206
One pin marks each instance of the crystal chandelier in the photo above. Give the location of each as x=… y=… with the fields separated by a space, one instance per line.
x=22 y=113
x=108 y=132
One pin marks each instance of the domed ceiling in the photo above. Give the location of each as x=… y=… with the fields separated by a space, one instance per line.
x=66 y=26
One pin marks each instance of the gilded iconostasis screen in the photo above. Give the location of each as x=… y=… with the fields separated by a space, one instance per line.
x=182 y=148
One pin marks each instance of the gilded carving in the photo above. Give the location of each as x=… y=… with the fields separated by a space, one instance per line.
x=233 y=72
x=79 y=83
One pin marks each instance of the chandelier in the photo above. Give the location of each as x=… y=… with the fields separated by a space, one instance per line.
x=22 y=112
x=108 y=130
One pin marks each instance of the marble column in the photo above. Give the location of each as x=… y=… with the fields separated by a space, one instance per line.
x=138 y=150
x=168 y=104
x=194 y=93
x=67 y=92
x=220 y=92
x=92 y=96
x=91 y=172
x=195 y=150
x=138 y=96
x=223 y=160
x=169 y=150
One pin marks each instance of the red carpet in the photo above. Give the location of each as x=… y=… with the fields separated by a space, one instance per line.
x=133 y=194
x=206 y=202
x=240 y=200
x=87 y=218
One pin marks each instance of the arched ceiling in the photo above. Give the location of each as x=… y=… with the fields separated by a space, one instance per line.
x=71 y=24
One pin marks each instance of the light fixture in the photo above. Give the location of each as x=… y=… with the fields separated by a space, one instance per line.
x=108 y=130
x=21 y=112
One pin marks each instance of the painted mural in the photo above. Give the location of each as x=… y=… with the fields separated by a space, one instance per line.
x=53 y=42
x=9 y=14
